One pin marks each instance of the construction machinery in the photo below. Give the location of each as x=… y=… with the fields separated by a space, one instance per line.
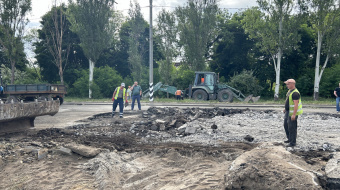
x=206 y=86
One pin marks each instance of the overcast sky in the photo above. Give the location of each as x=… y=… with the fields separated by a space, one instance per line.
x=40 y=7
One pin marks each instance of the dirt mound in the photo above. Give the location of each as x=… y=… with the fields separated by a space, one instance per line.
x=271 y=167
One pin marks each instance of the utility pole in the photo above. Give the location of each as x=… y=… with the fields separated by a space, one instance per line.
x=151 y=57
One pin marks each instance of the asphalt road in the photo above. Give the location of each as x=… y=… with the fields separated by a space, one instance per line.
x=73 y=113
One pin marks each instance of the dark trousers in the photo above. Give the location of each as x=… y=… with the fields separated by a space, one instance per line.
x=121 y=106
x=136 y=97
x=290 y=128
x=178 y=97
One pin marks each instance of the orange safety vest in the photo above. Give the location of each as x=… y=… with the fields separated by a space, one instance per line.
x=178 y=92
x=202 y=80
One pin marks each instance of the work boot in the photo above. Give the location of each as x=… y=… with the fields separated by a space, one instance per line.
x=290 y=145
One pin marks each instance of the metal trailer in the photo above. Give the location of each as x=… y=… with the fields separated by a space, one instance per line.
x=30 y=92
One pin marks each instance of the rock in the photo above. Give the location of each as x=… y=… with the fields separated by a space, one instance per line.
x=38 y=144
x=154 y=127
x=42 y=153
x=83 y=150
x=214 y=126
x=132 y=127
x=160 y=121
x=183 y=127
x=190 y=130
x=64 y=151
x=173 y=122
x=249 y=138
x=29 y=149
x=162 y=127
x=332 y=171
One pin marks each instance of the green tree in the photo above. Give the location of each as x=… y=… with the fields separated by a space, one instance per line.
x=13 y=19
x=137 y=46
x=197 y=31
x=106 y=80
x=275 y=30
x=325 y=17
x=55 y=38
x=46 y=61
x=167 y=33
x=93 y=22
x=232 y=50
x=246 y=83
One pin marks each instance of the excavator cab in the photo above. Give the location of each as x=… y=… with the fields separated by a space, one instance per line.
x=205 y=86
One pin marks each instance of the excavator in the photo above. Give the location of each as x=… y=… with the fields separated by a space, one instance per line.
x=206 y=86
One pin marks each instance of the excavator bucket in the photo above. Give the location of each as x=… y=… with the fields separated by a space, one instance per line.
x=248 y=98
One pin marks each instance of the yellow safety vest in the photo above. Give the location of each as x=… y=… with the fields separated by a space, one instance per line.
x=291 y=104
x=117 y=92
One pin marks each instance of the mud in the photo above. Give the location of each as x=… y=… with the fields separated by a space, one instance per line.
x=171 y=148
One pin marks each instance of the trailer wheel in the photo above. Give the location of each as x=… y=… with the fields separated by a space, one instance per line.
x=200 y=95
x=10 y=98
x=225 y=96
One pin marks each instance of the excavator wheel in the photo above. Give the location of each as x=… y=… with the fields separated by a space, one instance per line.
x=200 y=95
x=225 y=96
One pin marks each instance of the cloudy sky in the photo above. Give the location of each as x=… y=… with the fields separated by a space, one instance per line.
x=40 y=7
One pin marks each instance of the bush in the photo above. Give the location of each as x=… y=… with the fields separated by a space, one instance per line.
x=105 y=80
x=184 y=78
x=329 y=81
x=246 y=83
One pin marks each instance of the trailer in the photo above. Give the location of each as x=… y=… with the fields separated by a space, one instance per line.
x=32 y=92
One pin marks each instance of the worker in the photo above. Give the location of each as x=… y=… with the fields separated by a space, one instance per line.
x=179 y=94
x=293 y=108
x=136 y=95
x=202 y=80
x=118 y=97
x=128 y=93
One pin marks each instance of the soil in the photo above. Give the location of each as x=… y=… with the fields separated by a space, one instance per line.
x=173 y=148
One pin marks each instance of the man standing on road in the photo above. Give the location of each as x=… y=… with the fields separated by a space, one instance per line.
x=293 y=108
x=136 y=94
x=337 y=95
x=179 y=94
x=118 y=97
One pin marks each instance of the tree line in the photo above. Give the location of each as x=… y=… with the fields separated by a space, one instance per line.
x=91 y=47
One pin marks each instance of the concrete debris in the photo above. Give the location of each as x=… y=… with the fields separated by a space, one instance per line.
x=160 y=121
x=190 y=130
x=214 y=126
x=83 y=150
x=249 y=138
x=42 y=153
x=333 y=172
x=64 y=151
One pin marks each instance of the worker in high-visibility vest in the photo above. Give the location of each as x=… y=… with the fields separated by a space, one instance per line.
x=118 y=97
x=293 y=108
x=178 y=94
